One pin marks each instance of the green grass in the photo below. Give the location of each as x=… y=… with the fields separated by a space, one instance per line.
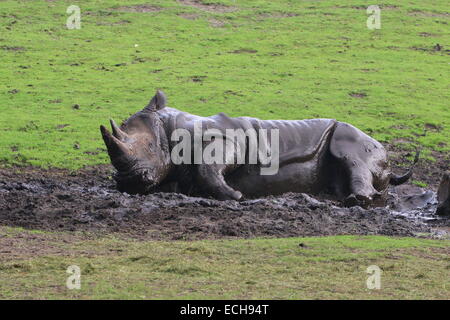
x=323 y=268
x=269 y=59
x=419 y=183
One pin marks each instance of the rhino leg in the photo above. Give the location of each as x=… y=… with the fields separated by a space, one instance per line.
x=211 y=178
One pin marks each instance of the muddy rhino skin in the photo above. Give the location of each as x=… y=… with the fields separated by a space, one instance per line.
x=316 y=155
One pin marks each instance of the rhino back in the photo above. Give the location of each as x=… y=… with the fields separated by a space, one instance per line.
x=301 y=137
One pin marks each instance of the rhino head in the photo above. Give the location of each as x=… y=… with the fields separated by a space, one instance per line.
x=139 y=149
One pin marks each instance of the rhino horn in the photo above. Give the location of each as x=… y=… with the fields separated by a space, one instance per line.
x=117 y=132
x=158 y=102
x=117 y=150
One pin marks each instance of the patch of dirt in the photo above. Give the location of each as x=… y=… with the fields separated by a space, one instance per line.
x=14 y=246
x=402 y=141
x=244 y=50
x=86 y=200
x=433 y=127
x=361 y=7
x=210 y=7
x=198 y=78
x=426 y=34
x=275 y=15
x=139 y=8
x=216 y=23
x=428 y=172
x=421 y=13
x=62 y=126
x=8 y=48
x=436 y=48
x=388 y=7
x=369 y=70
x=117 y=23
x=189 y=16
x=357 y=94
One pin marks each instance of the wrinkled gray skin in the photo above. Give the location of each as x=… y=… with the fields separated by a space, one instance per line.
x=444 y=196
x=317 y=155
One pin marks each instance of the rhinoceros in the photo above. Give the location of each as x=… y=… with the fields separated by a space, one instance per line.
x=315 y=156
x=444 y=196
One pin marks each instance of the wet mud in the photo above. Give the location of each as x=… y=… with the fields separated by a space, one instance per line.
x=57 y=200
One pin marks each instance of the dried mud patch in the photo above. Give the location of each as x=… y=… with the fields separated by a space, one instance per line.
x=243 y=50
x=427 y=34
x=14 y=49
x=437 y=48
x=358 y=94
x=420 y=13
x=216 y=8
x=189 y=16
x=143 y=8
x=213 y=22
x=276 y=15
x=216 y=23
x=364 y=7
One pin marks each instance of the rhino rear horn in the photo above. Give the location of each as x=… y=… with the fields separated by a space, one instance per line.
x=117 y=132
x=158 y=102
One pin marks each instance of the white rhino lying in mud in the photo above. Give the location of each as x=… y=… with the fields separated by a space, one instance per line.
x=316 y=155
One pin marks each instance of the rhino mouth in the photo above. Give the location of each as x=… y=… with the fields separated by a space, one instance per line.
x=135 y=181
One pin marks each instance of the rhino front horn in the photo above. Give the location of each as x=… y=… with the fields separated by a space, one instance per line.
x=117 y=150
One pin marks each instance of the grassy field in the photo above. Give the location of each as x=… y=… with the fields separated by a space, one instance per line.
x=286 y=59
x=294 y=268
x=269 y=59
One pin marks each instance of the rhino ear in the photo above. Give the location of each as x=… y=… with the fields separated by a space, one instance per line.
x=158 y=102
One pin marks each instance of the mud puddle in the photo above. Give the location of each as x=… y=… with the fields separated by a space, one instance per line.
x=88 y=201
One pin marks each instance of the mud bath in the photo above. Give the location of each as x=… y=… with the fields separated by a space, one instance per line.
x=88 y=201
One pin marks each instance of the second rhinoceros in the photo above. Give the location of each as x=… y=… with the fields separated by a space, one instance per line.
x=443 y=196
x=315 y=156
